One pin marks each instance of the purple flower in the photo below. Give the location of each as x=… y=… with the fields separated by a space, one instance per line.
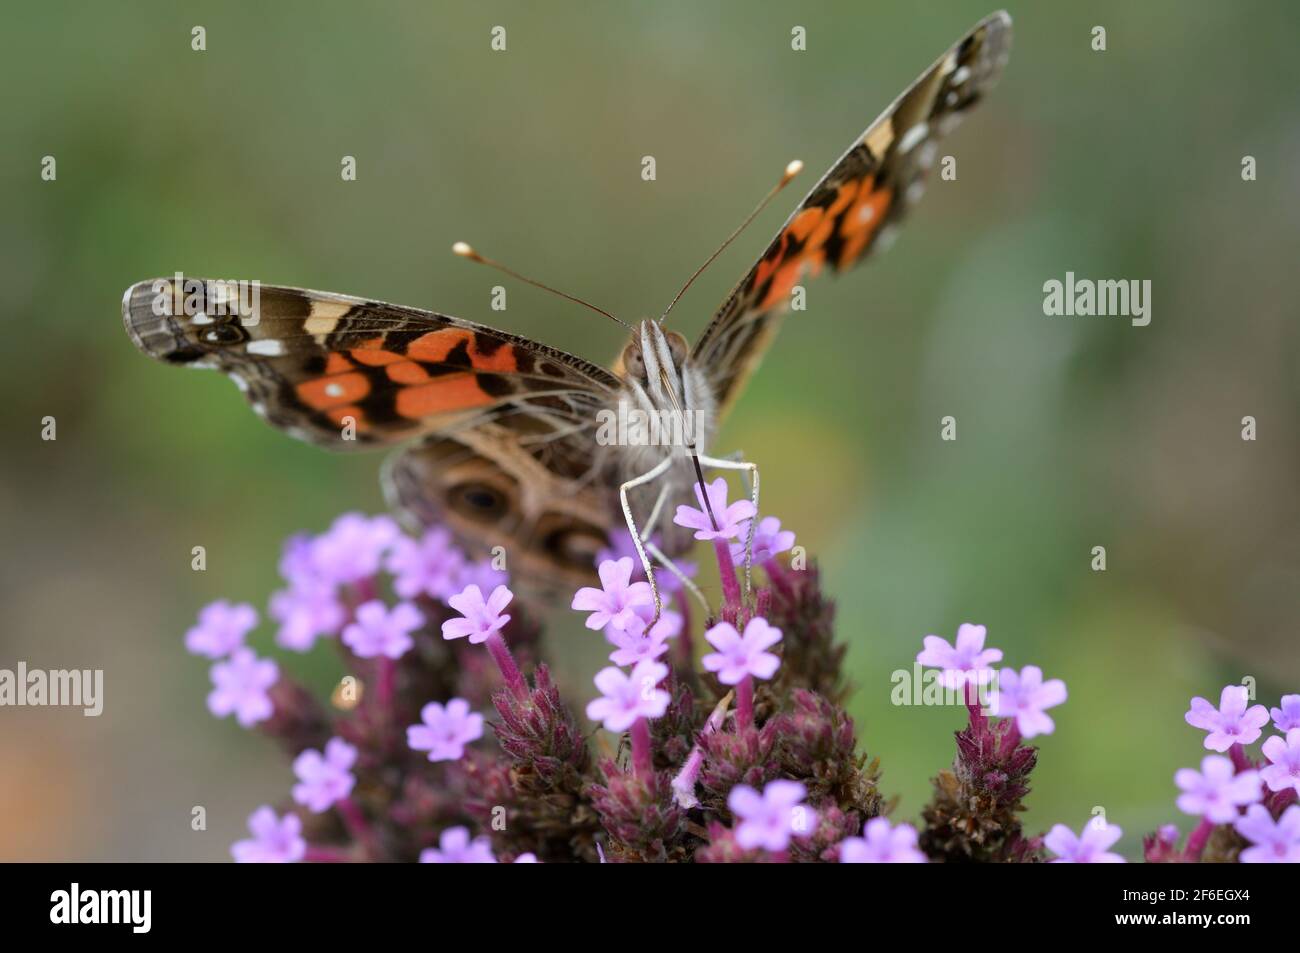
x=221 y=629
x=1232 y=722
x=353 y=547
x=527 y=858
x=446 y=731
x=429 y=566
x=1216 y=792
x=241 y=684
x=769 y=540
x=621 y=546
x=306 y=610
x=296 y=564
x=882 y=844
x=740 y=656
x=615 y=602
x=1090 y=847
x=768 y=820
x=1288 y=716
x=1024 y=697
x=631 y=647
x=1275 y=842
x=455 y=847
x=1283 y=771
x=480 y=574
x=968 y=663
x=480 y=617
x=625 y=698
x=324 y=780
x=381 y=631
x=730 y=518
x=275 y=840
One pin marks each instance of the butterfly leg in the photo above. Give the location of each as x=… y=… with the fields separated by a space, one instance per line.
x=650 y=475
x=662 y=558
x=751 y=470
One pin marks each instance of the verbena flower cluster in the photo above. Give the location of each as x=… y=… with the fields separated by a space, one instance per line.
x=734 y=750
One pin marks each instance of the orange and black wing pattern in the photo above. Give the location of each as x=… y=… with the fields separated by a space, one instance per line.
x=855 y=206
x=346 y=373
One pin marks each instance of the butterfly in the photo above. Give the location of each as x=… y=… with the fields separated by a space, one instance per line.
x=499 y=434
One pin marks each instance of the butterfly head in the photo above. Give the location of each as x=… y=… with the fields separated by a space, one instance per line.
x=655 y=360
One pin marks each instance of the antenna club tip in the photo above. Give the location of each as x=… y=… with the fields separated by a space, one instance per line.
x=793 y=169
x=464 y=250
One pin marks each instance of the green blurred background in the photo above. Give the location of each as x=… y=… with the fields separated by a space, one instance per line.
x=1072 y=432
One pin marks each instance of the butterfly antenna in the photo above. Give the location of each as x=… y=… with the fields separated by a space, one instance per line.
x=465 y=251
x=791 y=170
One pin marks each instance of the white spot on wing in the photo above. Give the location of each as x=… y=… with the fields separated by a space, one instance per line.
x=268 y=347
x=913 y=137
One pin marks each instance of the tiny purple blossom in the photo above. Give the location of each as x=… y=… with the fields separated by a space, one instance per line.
x=480 y=617
x=631 y=647
x=296 y=564
x=1283 y=770
x=615 y=602
x=481 y=574
x=968 y=663
x=1090 y=847
x=240 y=686
x=445 y=731
x=881 y=843
x=1232 y=722
x=275 y=840
x=730 y=519
x=769 y=540
x=324 y=780
x=1288 y=716
x=429 y=566
x=621 y=546
x=527 y=858
x=627 y=697
x=379 y=630
x=455 y=847
x=306 y=611
x=353 y=547
x=1216 y=792
x=221 y=629
x=1024 y=697
x=740 y=656
x=1274 y=842
x=768 y=820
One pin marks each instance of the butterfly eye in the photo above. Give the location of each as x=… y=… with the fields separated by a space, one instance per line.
x=678 y=348
x=633 y=362
x=478 y=501
x=223 y=335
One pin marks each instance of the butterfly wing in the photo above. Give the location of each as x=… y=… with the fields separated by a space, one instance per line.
x=311 y=363
x=851 y=211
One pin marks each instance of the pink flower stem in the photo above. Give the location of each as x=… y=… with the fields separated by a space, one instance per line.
x=745 y=702
x=977 y=719
x=1196 y=842
x=727 y=570
x=685 y=646
x=776 y=574
x=386 y=680
x=1239 y=759
x=355 y=821
x=325 y=855
x=510 y=673
x=642 y=759
x=1278 y=801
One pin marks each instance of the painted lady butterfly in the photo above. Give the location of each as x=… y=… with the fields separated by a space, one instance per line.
x=502 y=429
